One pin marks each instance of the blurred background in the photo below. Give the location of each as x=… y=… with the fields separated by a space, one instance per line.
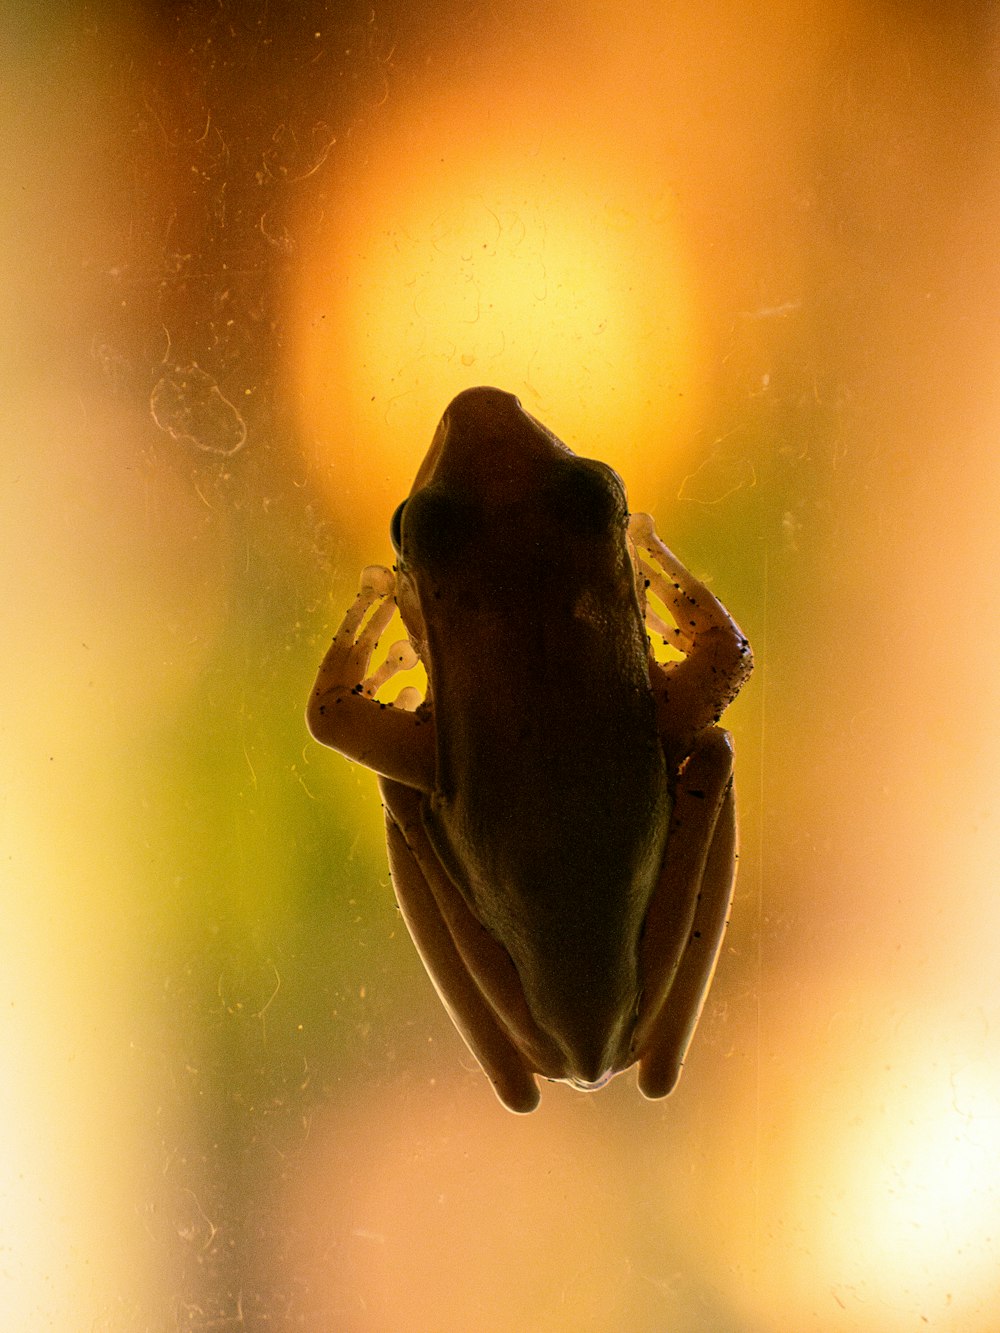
x=748 y=255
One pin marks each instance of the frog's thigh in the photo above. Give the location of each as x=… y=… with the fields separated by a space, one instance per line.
x=501 y=1060
x=706 y=810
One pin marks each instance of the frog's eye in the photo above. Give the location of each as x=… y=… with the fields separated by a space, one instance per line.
x=396 y=528
x=589 y=497
x=440 y=527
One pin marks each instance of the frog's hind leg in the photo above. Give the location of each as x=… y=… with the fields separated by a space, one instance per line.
x=680 y=948
x=472 y=973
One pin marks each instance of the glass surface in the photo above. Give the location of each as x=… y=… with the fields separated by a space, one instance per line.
x=748 y=256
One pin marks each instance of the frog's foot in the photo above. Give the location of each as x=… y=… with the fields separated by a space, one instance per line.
x=694 y=609
x=343 y=712
x=347 y=662
x=400 y=657
x=377 y=583
x=691 y=694
x=661 y=582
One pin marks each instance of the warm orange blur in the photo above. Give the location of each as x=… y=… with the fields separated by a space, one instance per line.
x=750 y=260
x=506 y=257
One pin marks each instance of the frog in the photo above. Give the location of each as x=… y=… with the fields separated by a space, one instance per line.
x=559 y=806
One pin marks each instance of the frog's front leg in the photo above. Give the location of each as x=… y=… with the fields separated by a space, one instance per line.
x=343 y=712
x=472 y=973
x=688 y=913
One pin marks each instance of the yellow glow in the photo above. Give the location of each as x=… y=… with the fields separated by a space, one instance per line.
x=926 y=1185
x=555 y=278
x=914 y=1226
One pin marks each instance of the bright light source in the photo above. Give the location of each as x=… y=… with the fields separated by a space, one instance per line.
x=924 y=1189
x=903 y=1197
x=560 y=282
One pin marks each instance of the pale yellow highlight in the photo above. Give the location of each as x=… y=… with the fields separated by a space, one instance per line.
x=559 y=279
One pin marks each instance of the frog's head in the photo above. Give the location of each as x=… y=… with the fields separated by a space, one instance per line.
x=495 y=477
x=500 y=513
x=486 y=444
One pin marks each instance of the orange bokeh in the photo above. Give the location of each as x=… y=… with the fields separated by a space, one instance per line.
x=559 y=278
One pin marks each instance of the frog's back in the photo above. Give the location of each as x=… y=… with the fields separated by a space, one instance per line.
x=552 y=804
